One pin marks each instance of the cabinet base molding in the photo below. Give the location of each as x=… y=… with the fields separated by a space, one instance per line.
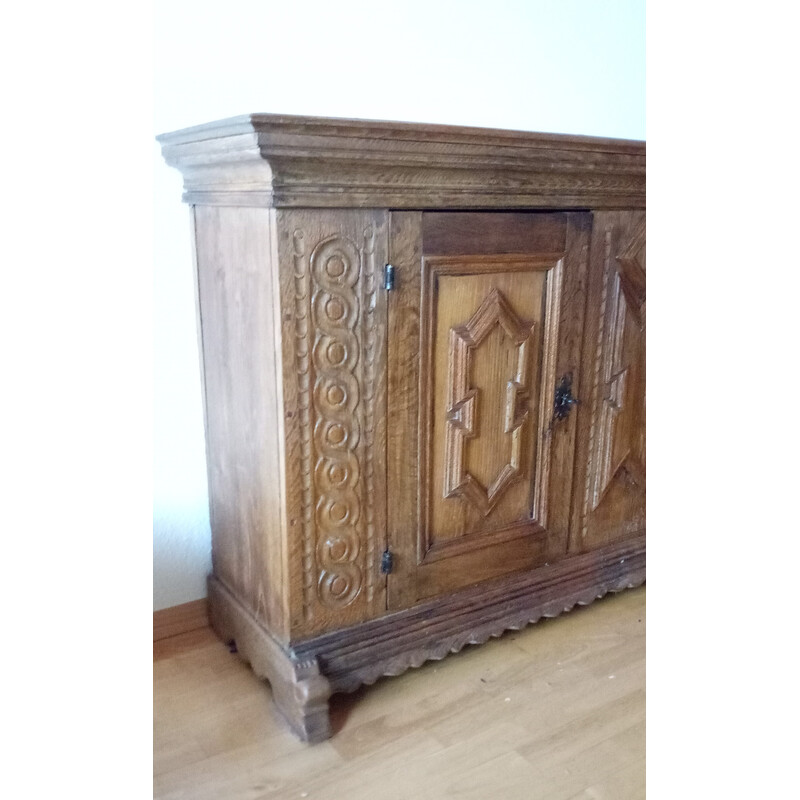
x=300 y=691
x=305 y=673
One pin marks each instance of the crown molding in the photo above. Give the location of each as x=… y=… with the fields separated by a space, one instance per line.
x=287 y=161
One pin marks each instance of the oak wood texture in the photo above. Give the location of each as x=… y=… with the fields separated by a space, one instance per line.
x=498 y=330
x=334 y=398
x=488 y=233
x=609 y=498
x=430 y=631
x=299 y=690
x=237 y=285
x=304 y=675
x=555 y=711
x=285 y=161
x=343 y=419
x=180 y=619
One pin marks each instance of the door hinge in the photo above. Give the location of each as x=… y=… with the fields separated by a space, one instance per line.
x=388 y=277
x=387 y=562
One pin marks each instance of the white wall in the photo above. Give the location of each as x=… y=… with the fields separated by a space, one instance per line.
x=564 y=66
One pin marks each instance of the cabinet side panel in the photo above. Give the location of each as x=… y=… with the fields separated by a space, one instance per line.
x=333 y=309
x=238 y=324
x=610 y=460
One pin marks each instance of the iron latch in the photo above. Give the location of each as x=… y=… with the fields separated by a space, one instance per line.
x=387 y=562
x=564 y=399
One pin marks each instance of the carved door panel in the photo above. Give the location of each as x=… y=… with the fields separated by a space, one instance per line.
x=610 y=473
x=485 y=320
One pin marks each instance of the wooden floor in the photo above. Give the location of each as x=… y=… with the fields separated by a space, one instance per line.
x=554 y=711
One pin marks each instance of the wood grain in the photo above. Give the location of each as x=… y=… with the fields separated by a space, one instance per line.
x=572 y=726
x=486 y=332
x=458 y=535
x=568 y=363
x=344 y=419
x=609 y=500
x=242 y=413
x=403 y=639
x=489 y=233
x=304 y=675
x=402 y=460
x=284 y=161
x=334 y=381
x=299 y=690
x=180 y=619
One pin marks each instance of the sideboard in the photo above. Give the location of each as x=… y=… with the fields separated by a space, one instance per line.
x=423 y=355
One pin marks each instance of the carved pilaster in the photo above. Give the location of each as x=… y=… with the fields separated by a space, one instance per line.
x=337 y=377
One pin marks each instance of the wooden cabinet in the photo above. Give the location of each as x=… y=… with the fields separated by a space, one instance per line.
x=424 y=374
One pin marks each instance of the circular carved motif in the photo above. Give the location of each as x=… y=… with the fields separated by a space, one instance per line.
x=336 y=395
x=336 y=434
x=338 y=513
x=334 y=308
x=338 y=550
x=335 y=268
x=337 y=474
x=336 y=353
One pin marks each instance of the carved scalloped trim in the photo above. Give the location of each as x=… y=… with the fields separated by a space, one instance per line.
x=370 y=288
x=437 y=651
x=303 y=368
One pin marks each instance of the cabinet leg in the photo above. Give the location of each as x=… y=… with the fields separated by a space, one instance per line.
x=299 y=689
x=303 y=700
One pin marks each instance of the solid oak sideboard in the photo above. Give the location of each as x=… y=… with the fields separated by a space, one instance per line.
x=423 y=355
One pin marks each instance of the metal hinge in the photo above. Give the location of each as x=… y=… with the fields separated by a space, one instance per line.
x=387 y=562
x=388 y=277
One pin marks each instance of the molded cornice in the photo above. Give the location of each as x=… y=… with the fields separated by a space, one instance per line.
x=288 y=161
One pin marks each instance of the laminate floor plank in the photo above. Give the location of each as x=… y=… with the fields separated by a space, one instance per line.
x=555 y=711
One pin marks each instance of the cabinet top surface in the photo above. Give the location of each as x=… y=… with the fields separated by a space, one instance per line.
x=381 y=129
x=283 y=161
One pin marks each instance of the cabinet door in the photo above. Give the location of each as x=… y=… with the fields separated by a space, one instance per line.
x=485 y=322
x=610 y=472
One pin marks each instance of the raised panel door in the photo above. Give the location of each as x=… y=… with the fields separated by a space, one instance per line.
x=610 y=476
x=485 y=322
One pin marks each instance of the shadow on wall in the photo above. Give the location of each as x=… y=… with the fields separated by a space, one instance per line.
x=181 y=530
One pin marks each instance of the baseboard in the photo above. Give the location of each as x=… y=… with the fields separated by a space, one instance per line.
x=180 y=619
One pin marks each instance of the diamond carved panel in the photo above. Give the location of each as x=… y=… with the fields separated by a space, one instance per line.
x=614 y=493
x=620 y=434
x=463 y=411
